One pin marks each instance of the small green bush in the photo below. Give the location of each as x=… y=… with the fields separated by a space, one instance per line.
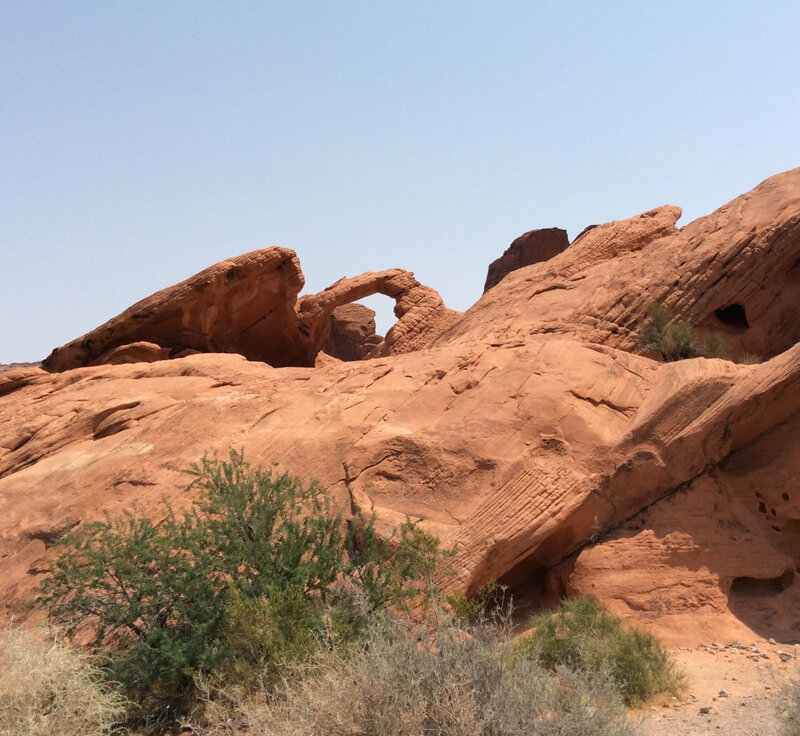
x=442 y=679
x=676 y=339
x=154 y=595
x=47 y=688
x=790 y=718
x=583 y=636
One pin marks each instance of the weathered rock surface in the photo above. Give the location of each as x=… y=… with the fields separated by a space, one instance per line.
x=534 y=246
x=352 y=335
x=730 y=539
x=524 y=431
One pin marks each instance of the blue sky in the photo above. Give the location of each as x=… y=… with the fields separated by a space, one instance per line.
x=143 y=141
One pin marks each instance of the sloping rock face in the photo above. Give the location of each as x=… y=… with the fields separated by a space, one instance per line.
x=524 y=431
x=534 y=246
x=243 y=305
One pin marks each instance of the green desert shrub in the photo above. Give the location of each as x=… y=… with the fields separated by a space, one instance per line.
x=676 y=339
x=583 y=636
x=444 y=680
x=790 y=717
x=249 y=580
x=48 y=688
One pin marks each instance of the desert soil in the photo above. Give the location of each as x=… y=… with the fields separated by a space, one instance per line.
x=733 y=688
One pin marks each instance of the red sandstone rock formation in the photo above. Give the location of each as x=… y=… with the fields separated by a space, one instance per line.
x=735 y=271
x=352 y=335
x=243 y=305
x=248 y=305
x=527 y=430
x=532 y=247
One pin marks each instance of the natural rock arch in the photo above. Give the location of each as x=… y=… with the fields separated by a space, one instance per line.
x=248 y=305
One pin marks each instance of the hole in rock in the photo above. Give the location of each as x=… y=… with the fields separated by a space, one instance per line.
x=383 y=306
x=785 y=496
x=762 y=507
x=745 y=587
x=733 y=316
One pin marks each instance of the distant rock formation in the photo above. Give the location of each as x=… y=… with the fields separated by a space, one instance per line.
x=352 y=335
x=12 y=366
x=527 y=431
x=534 y=246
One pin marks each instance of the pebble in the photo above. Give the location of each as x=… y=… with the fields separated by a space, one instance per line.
x=705 y=710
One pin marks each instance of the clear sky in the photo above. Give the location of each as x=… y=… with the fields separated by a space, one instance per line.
x=142 y=141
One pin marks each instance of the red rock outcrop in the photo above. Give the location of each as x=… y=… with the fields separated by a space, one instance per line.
x=248 y=305
x=13 y=366
x=735 y=271
x=243 y=305
x=352 y=335
x=534 y=246
x=525 y=431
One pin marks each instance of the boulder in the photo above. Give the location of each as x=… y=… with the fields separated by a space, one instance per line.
x=534 y=246
x=352 y=335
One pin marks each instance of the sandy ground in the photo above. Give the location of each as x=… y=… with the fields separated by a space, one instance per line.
x=740 y=685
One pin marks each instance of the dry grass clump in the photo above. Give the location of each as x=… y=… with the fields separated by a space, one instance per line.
x=47 y=688
x=444 y=681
